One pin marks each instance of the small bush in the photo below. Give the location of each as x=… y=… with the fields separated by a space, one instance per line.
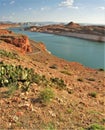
x=46 y=95
x=69 y=110
x=54 y=66
x=65 y=72
x=103 y=120
x=70 y=91
x=93 y=94
x=50 y=126
x=91 y=79
x=59 y=83
x=79 y=79
x=22 y=77
x=96 y=127
x=101 y=69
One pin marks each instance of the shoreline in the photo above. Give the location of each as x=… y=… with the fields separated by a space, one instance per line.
x=93 y=33
x=90 y=37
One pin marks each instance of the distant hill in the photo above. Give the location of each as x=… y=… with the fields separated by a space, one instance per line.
x=6 y=22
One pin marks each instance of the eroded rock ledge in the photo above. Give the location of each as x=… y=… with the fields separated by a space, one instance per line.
x=18 y=40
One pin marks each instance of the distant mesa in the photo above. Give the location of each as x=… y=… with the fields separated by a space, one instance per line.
x=73 y=25
x=72 y=29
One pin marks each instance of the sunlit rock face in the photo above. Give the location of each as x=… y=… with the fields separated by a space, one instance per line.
x=18 y=40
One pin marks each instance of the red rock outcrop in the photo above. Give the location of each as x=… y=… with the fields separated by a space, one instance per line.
x=20 y=41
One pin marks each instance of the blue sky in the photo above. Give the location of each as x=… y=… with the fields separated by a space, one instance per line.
x=80 y=11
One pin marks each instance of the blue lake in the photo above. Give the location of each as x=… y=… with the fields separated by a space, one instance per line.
x=88 y=53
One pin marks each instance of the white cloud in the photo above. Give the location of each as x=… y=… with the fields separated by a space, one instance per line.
x=101 y=8
x=6 y=17
x=66 y=3
x=12 y=2
x=27 y=9
x=44 y=8
x=75 y=7
x=13 y=13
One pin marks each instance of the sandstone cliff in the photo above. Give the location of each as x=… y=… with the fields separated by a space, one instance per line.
x=20 y=41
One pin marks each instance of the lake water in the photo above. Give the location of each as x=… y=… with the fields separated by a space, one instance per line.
x=88 y=53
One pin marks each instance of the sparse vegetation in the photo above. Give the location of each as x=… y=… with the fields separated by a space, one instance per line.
x=10 y=74
x=11 y=55
x=96 y=127
x=101 y=69
x=54 y=66
x=59 y=83
x=46 y=95
x=50 y=126
x=69 y=110
x=93 y=94
x=65 y=72
x=80 y=79
x=24 y=77
x=103 y=120
x=21 y=77
x=70 y=91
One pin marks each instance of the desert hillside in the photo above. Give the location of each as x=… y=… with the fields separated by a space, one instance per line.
x=41 y=91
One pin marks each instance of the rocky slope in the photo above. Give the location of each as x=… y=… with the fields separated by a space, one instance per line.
x=48 y=92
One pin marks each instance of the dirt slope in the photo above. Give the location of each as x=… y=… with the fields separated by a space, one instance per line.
x=77 y=106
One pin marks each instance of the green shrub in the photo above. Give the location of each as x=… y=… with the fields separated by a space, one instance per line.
x=23 y=77
x=96 y=127
x=80 y=79
x=101 y=69
x=91 y=79
x=54 y=66
x=93 y=94
x=103 y=120
x=65 y=72
x=11 y=55
x=50 y=126
x=46 y=95
x=69 y=110
x=59 y=83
